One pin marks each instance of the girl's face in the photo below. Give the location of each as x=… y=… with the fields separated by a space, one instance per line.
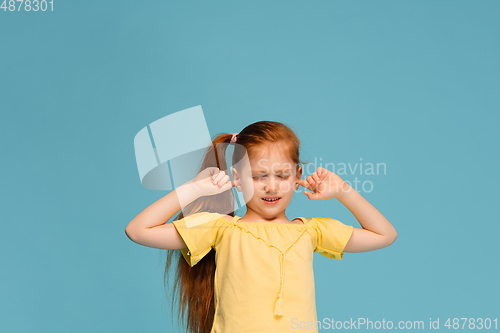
x=272 y=175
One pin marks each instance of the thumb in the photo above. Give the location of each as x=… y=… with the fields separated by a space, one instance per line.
x=214 y=171
x=312 y=196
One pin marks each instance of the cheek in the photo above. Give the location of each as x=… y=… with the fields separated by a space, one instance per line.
x=258 y=183
x=286 y=186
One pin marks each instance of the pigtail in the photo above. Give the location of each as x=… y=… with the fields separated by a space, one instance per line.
x=194 y=286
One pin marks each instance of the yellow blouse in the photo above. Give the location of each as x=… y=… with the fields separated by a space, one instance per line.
x=252 y=261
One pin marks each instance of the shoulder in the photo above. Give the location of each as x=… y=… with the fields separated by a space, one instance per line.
x=298 y=220
x=213 y=216
x=329 y=225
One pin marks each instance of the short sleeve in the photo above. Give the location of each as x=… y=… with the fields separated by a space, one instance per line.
x=199 y=232
x=332 y=237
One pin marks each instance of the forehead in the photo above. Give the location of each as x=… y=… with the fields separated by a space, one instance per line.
x=271 y=158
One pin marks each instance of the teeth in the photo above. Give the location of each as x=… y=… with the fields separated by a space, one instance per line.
x=270 y=199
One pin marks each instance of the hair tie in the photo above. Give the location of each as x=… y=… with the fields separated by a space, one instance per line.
x=233 y=139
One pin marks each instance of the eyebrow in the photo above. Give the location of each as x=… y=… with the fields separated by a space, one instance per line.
x=278 y=171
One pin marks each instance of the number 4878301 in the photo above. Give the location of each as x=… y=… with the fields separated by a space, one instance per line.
x=27 y=5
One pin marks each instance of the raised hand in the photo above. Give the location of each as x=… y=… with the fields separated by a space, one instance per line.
x=212 y=181
x=324 y=185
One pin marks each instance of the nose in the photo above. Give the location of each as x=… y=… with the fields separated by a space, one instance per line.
x=271 y=186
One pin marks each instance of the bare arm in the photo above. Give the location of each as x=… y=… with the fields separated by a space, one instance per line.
x=377 y=231
x=149 y=227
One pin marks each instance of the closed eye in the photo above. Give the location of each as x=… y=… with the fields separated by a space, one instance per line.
x=282 y=177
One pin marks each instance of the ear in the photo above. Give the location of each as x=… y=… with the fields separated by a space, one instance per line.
x=236 y=178
x=299 y=175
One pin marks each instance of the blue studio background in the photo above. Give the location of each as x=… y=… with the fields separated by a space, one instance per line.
x=411 y=84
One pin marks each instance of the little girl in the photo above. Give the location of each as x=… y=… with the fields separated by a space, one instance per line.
x=259 y=278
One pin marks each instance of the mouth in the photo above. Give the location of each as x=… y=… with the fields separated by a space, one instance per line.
x=271 y=200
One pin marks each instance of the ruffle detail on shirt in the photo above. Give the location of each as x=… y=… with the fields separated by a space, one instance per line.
x=278 y=308
x=199 y=232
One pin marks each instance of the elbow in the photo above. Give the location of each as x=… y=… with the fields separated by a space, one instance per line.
x=129 y=233
x=389 y=238
x=393 y=237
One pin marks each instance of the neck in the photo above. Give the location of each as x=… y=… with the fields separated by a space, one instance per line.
x=256 y=216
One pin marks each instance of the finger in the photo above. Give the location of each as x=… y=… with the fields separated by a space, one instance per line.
x=309 y=194
x=214 y=172
x=230 y=183
x=310 y=180
x=217 y=173
x=223 y=181
x=316 y=177
x=219 y=177
x=227 y=186
x=312 y=196
x=219 y=182
x=303 y=183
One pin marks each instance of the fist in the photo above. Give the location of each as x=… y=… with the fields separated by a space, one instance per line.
x=212 y=181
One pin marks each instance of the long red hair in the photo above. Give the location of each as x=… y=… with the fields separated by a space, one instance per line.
x=194 y=286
